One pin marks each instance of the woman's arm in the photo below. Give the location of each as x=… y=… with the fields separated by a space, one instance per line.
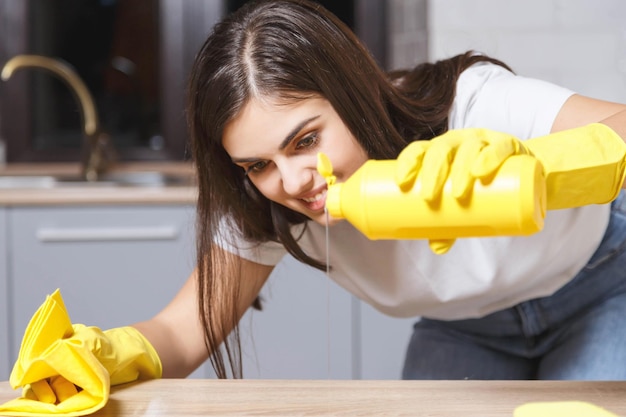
x=176 y=332
x=580 y=110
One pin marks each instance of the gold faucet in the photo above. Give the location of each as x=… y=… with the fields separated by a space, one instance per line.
x=99 y=154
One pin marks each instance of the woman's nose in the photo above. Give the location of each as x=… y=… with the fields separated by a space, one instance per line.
x=295 y=176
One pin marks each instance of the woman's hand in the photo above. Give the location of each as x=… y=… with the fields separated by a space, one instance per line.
x=463 y=156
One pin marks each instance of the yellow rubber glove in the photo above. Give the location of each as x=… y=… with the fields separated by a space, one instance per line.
x=67 y=369
x=585 y=165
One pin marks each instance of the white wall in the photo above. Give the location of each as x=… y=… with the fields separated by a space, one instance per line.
x=580 y=44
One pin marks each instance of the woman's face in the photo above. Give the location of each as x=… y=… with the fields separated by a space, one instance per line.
x=276 y=143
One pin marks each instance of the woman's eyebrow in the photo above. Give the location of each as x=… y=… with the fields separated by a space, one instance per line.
x=295 y=131
x=292 y=134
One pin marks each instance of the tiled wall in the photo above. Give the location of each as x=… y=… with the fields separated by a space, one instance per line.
x=407 y=32
x=580 y=44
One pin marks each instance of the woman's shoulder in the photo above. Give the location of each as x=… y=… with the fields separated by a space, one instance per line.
x=490 y=96
x=230 y=238
x=482 y=72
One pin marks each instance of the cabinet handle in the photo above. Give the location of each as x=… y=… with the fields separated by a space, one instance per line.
x=107 y=234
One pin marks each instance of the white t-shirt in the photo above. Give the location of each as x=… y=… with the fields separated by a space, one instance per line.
x=476 y=276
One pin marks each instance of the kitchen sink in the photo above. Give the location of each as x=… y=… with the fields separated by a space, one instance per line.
x=26 y=181
x=113 y=179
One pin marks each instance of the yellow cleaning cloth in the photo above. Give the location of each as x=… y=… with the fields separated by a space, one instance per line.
x=561 y=409
x=58 y=374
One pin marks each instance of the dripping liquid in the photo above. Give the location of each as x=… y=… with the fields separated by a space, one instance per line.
x=327 y=238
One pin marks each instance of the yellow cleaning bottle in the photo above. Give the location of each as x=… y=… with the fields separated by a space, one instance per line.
x=512 y=202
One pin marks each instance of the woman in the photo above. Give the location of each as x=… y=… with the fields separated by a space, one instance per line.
x=279 y=81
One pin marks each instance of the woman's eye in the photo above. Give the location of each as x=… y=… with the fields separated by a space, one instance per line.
x=256 y=167
x=307 y=141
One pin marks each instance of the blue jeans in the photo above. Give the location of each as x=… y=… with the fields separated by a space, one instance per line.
x=578 y=333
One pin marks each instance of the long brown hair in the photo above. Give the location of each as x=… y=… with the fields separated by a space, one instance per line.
x=290 y=49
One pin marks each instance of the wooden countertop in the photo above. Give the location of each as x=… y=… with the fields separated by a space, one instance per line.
x=192 y=397
x=101 y=194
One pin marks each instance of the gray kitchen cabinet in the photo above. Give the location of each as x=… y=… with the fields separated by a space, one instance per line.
x=331 y=334
x=304 y=330
x=383 y=341
x=4 y=297
x=114 y=265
